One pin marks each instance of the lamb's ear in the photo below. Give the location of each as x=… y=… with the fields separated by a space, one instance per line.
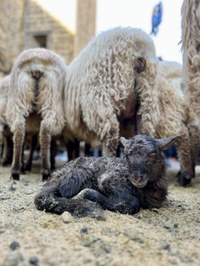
x=167 y=142
x=123 y=141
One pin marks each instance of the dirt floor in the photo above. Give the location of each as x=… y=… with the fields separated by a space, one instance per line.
x=166 y=236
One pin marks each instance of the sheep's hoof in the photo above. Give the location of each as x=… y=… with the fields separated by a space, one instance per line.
x=45 y=177
x=183 y=181
x=15 y=177
x=6 y=162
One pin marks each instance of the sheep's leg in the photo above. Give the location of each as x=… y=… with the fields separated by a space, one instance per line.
x=45 y=140
x=29 y=161
x=53 y=154
x=51 y=201
x=73 y=149
x=111 y=138
x=22 y=162
x=1 y=139
x=194 y=140
x=18 y=141
x=186 y=166
x=7 y=155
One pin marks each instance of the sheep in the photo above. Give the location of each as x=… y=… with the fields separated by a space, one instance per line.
x=126 y=184
x=117 y=78
x=37 y=82
x=32 y=125
x=172 y=71
x=5 y=134
x=106 y=81
x=177 y=118
x=190 y=25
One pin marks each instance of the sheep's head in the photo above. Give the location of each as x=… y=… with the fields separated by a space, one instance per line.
x=144 y=157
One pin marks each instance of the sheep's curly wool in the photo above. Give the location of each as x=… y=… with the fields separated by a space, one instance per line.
x=47 y=98
x=103 y=77
x=173 y=72
x=191 y=52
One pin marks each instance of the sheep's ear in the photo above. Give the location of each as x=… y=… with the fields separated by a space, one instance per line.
x=123 y=141
x=139 y=64
x=167 y=142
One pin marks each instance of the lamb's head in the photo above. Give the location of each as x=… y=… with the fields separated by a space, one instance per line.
x=145 y=158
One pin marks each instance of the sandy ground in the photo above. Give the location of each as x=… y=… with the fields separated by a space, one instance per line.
x=166 y=236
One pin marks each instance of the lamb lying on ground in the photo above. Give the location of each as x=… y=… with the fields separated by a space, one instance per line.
x=117 y=184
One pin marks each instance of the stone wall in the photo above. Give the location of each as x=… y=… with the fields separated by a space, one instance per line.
x=41 y=29
x=25 y=24
x=11 y=28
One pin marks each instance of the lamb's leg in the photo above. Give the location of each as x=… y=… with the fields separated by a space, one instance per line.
x=117 y=201
x=186 y=166
x=45 y=139
x=18 y=141
x=119 y=198
x=51 y=201
x=74 y=181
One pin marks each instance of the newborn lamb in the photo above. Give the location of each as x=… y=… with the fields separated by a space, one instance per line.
x=124 y=184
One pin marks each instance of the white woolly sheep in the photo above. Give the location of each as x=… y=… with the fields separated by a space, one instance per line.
x=37 y=81
x=191 y=52
x=104 y=83
x=176 y=118
x=5 y=134
x=173 y=71
x=32 y=127
x=190 y=25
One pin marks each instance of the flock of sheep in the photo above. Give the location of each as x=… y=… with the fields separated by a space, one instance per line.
x=115 y=81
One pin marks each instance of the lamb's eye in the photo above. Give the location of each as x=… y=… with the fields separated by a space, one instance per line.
x=152 y=155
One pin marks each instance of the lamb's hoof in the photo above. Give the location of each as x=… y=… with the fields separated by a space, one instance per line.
x=90 y=209
x=182 y=181
x=15 y=177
